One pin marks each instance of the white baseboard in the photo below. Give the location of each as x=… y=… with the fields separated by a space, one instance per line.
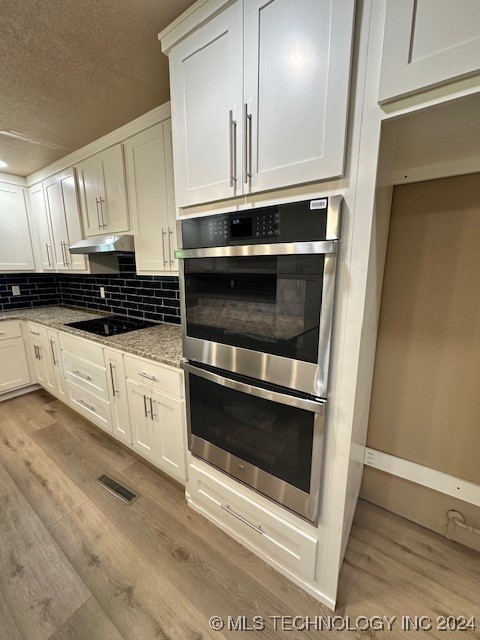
x=19 y=392
x=425 y=476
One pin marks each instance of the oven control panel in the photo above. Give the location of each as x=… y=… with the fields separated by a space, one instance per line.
x=291 y=222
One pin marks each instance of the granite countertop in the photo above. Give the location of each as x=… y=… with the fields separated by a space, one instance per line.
x=161 y=343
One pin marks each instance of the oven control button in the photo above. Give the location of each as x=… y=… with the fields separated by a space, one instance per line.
x=241 y=468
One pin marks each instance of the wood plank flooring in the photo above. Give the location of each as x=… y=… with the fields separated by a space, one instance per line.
x=78 y=564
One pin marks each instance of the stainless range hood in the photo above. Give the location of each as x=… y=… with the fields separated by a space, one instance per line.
x=104 y=244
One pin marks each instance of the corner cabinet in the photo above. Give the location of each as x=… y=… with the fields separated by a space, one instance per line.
x=103 y=192
x=428 y=43
x=16 y=251
x=149 y=165
x=63 y=214
x=260 y=97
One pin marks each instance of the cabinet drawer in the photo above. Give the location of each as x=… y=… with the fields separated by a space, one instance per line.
x=37 y=331
x=273 y=536
x=10 y=329
x=84 y=374
x=161 y=378
x=90 y=406
x=82 y=348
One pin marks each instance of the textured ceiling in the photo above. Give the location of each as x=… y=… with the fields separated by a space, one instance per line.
x=72 y=71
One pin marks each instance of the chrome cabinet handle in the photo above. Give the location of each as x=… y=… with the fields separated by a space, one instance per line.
x=145 y=375
x=88 y=406
x=255 y=527
x=65 y=250
x=35 y=350
x=152 y=414
x=39 y=350
x=34 y=333
x=97 y=202
x=55 y=362
x=232 y=125
x=164 y=233
x=103 y=212
x=247 y=132
x=113 y=379
x=170 y=234
x=145 y=406
x=81 y=375
x=48 y=255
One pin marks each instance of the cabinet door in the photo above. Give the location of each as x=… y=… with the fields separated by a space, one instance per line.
x=16 y=253
x=143 y=428
x=169 y=421
x=147 y=190
x=56 y=210
x=206 y=86
x=118 y=395
x=427 y=43
x=113 y=190
x=41 y=220
x=68 y=190
x=171 y=206
x=89 y=191
x=14 y=370
x=39 y=362
x=296 y=78
x=57 y=366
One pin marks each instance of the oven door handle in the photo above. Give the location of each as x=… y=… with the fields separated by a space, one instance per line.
x=280 y=249
x=315 y=406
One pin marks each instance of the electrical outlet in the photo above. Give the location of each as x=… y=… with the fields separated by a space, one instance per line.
x=15 y=290
x=102 y=292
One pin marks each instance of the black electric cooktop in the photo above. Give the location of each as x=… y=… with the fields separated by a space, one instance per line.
x=110 y=325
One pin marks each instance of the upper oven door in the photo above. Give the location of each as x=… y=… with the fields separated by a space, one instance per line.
x=263 y=311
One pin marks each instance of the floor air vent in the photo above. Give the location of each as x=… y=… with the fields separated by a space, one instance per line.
x=118 y=490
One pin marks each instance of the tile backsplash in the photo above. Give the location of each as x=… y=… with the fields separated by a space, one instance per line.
x=151 y=297
x=36 y=289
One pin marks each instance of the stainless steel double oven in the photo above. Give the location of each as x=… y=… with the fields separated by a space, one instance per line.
x=257 y=294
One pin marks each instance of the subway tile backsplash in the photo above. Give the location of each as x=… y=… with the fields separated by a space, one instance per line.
x=36 y=289
x=151 y=297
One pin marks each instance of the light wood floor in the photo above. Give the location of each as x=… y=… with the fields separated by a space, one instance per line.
x=77 y=564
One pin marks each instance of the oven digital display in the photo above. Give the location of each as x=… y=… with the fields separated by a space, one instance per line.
x=241 y=227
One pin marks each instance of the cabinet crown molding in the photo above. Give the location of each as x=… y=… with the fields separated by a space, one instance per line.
x=190 y=20
x=156 y=115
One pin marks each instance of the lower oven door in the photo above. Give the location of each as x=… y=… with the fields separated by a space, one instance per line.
x=267 y=439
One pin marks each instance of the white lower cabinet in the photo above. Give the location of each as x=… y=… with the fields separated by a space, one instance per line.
x=118 y=395
x=158 y=427
x=14 y=371
x=59 y=377
x=90 y=406
x=138 y=401
x=273 y=537
x=143 y=427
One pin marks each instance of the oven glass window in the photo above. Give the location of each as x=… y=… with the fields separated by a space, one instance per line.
x=275 y=437
x=269 y=304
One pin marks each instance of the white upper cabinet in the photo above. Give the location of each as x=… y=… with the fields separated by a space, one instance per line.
x=103 y=192
x=428 y=43
x=206 y=72
x=260 y=97
x=296 y=84
x=16 y=253
x=148 y=158
x=41 y=217
x=63 y=211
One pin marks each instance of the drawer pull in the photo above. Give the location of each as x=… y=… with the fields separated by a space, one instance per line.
x=81 y=375
x=255 y=527
x=145 y=375
x=88 y=406
x=35 y=333
x=145 y=406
